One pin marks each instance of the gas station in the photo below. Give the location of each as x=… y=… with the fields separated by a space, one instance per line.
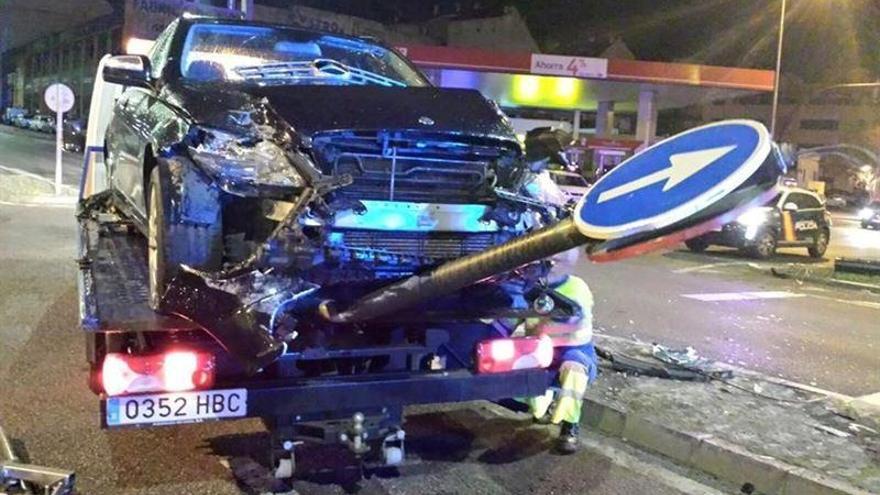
x=576 y=85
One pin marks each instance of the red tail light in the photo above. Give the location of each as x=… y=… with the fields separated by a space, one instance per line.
x=172 y=371
x=500 y=355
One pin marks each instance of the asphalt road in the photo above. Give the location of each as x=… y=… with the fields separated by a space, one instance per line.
x=54 y=420
x=726 y=306
x=34 y=152
x=730 y=308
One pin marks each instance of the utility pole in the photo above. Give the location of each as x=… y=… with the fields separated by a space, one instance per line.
x=777 y=75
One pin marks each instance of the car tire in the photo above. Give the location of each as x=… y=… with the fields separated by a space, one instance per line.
x=171 y=243
x=764 y=245
x=817 y=250
x=865 y=225
x=697 y=244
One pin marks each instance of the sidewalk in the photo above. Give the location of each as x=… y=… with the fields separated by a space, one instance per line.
x=756 y=432
x=23 y=188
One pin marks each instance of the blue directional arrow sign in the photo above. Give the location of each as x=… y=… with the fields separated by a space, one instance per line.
x=673 y=179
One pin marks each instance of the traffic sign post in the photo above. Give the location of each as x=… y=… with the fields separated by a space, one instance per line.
x=59 y=98
x=673 y=179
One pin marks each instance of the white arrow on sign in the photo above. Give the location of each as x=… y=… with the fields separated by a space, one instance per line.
x=683 y=166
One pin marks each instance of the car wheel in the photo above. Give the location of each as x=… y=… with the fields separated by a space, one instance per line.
x=865 y=225
x=697 y=244
x=817 y=250
x=171 y=244
x=764 y=246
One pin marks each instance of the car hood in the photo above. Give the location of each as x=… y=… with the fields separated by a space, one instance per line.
x=313 y=109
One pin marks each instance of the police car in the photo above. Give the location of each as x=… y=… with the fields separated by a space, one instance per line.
x=794 y=218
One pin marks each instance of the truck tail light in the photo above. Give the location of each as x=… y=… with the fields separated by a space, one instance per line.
x=500 y=355
x=172 y=371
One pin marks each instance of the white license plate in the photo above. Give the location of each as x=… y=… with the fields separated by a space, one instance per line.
x=178 y=407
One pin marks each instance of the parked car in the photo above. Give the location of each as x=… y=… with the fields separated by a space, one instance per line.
x=574 y=185
x=870 y=216
x=11 y=114
x=794 y=218
x=41 y=123
x=21 y=121
x=837 y=199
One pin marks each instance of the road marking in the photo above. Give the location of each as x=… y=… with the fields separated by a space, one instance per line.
x=854 y=302
x=38 y=204
x=743 y=296
x=708 y=266
x=32 y=175
x=683 y=165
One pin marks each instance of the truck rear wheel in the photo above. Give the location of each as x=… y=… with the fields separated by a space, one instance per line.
x=697 y=244
x=764 y=246
x=171 y=243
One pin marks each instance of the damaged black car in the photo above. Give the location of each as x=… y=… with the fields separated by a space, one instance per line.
x=296 y=172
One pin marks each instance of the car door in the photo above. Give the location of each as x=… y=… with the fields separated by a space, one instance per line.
x=125 y=146
x=808 y=218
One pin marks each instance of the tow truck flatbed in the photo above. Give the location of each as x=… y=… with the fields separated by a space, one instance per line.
x=114 y=301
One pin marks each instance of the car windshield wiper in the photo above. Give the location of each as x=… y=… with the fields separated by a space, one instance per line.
x=320 y=69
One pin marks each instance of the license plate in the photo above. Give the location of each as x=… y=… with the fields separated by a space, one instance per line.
x=179 y=407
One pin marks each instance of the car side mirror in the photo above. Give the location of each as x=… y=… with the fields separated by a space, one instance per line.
x=790 y=206
x=128 y=70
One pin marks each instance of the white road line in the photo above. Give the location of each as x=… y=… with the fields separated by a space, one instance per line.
x=709 y=266
x=743 y=296
x=38 y=204
x=854 y=302
x=32 y=175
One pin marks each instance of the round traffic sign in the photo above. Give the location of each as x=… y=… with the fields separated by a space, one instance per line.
x=59 y=97
x=673 y=179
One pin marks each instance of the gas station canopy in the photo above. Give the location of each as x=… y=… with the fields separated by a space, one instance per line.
x=519 y=79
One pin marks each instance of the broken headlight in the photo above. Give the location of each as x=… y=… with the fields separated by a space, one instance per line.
x=237 y=159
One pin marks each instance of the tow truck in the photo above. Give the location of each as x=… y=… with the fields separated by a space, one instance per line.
x=416 y=338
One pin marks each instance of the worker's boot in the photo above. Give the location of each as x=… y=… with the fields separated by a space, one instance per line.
x=568 y=442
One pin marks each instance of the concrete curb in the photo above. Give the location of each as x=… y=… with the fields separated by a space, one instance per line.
x=832 y=282
x=712 y=455
x=783 y=272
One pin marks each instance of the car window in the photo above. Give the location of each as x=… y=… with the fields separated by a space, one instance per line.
x=804 y=201
x=276 y=55
x=569 y=180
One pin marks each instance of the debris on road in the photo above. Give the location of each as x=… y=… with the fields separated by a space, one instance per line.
x=17 y=477
x=748 y=428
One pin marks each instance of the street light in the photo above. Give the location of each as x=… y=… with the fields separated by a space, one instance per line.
x=776 y=78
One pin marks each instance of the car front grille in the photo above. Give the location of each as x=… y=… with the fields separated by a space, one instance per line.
x=422 y=245
x=415 y=169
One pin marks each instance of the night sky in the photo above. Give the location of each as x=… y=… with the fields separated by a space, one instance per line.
x=827 y=41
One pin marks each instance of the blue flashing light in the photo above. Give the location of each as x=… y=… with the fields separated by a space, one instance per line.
x=416 y=217
x=336 y=238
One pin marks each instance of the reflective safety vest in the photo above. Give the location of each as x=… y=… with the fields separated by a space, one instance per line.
x=573 y=332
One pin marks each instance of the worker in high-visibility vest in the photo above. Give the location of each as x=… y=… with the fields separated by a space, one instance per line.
x=575 y=355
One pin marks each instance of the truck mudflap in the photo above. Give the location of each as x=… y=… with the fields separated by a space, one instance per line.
x=323 y=398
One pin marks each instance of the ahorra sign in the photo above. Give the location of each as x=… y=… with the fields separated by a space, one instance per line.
x=560 y=65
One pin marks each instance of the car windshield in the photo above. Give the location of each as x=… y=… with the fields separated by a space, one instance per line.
x=569 y=180
x=274 y=55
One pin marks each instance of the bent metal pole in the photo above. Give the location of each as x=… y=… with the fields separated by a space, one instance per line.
x=461 y=273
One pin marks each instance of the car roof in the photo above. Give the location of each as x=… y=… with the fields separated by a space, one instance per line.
x=800 y=190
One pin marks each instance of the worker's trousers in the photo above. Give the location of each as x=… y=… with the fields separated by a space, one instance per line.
x=578 y=367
